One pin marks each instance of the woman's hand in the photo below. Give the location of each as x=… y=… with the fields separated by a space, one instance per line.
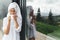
x=15 y=21
x=15 y=18
x=9 y=18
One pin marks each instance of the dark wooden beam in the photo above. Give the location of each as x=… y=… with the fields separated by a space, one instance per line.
x=22 y=4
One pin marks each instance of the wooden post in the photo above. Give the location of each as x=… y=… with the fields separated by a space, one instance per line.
x=22 y=4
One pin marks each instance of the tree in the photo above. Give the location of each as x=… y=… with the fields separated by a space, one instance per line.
x=38 y=17
x=50 y=18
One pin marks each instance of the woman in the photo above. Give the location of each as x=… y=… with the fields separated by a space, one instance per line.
x=32 y=29
x=12 y=23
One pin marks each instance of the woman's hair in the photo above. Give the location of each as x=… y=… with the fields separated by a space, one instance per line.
x=33 y=19
x=31 y=13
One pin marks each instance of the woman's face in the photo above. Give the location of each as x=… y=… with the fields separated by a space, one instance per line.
x=12 y=11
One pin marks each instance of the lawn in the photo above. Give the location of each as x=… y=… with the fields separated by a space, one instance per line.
x=50 y=30
x=55 y=34
x=45 y=28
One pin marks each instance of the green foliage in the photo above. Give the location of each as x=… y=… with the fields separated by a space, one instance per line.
x=45 y=28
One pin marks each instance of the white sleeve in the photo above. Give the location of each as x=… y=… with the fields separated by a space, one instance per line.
x=5 y=37
x=20 y=25
x=4 y=23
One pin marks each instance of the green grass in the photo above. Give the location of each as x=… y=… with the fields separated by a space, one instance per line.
x=55 y=34
x=45 y=28
x=50 y=30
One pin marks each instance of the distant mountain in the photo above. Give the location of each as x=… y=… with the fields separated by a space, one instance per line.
x=47 y=14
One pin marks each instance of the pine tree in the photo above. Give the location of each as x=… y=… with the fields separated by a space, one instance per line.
x=50 y=17
x=38 y=17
